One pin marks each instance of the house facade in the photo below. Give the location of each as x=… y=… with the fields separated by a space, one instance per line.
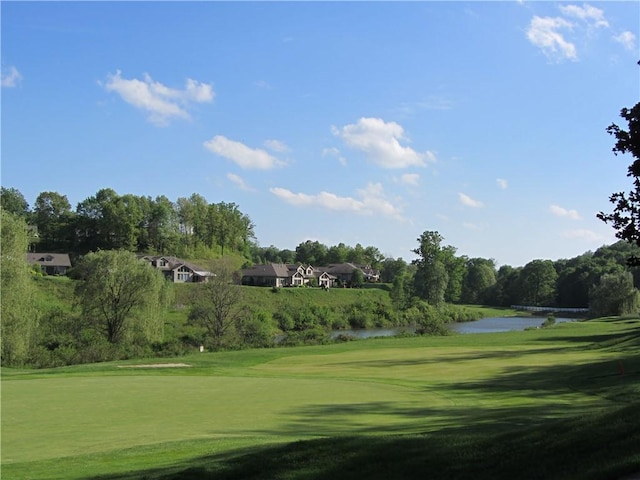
x=291 y=275
x=50 y=263
x=177 y=270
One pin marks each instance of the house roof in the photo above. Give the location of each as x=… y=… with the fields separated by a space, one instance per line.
x=269 y=270
x=49 y=259
x=175 y=262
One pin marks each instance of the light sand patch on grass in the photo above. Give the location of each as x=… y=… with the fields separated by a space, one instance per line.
x=156 y=365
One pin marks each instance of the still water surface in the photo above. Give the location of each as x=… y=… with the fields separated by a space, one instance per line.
x=484 y=325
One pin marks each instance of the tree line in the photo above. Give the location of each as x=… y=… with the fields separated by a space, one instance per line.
x=190 y=227
x=193 y=228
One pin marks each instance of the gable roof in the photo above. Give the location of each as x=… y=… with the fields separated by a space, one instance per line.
x=49 y=259
x=279 y=270
x=175 y=263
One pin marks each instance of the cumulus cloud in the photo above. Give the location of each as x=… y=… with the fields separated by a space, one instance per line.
x=469 y=202
x=162 y=103
x=276 y=146
x=246 y=157
x=11 y=77
x=502 y=183
x=546 y=33
x=627 y=40
x=239 y=182
x=380 y=141
x=563 y=212
x=550 y=34
x=371 y=200
x=587 y=13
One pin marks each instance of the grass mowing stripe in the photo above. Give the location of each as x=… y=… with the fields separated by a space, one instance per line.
x=75 y=418
x=53 y=417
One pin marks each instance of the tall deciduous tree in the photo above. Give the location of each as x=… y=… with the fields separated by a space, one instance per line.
x=431 y=277
x=217 y=304
x=479 y=278
x=538 y=283
x=53 y=216
x=122 y=296
x=625 y=217
x=19 y=317
x=12 y=201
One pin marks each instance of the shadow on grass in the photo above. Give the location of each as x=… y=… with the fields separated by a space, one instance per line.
x=598 y=447
x=540 y=439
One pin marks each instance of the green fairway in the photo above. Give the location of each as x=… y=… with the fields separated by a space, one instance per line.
x=79 y=422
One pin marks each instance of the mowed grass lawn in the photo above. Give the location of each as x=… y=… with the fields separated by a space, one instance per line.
x=84 y=421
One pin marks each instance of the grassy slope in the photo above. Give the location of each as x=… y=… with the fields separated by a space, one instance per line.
x=536 y=404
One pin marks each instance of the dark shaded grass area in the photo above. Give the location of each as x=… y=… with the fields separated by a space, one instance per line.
x=501 y=442
x=602 y=446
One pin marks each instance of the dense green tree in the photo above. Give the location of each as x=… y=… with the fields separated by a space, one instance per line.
x=162 y=226
x=122 y=297
x=431 y=277
x=506 y=291
x=538 y=283
x=625 y=217
x=193 y=213
x=480 y=277
x=614 y=295
x=399 y=291
x=337 y=254
x=357 y=255
x=12 y=201
x=311 y=253
x=455 y=267
x=373 y=257
x=18 y=314
x=109 y=221
x=53 y=217
x=217 y=305
x=391 y=268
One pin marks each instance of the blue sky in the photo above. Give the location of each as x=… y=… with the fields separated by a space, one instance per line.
x=361 y=122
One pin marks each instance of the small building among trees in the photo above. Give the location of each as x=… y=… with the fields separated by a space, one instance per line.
x=50 y=263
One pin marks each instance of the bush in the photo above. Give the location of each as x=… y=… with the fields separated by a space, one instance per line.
x=257 y=330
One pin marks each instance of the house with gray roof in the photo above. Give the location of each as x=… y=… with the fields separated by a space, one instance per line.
x=285 y=275
x=50 y=263
x=177 y=270
x=344 y=272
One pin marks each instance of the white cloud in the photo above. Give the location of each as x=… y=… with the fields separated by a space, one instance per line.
x=245 y=157
x=545 y=33
x=159 y=101
x=372 y=200
x=11 y=77
x=627 y=40
x=563 y=212
x=239 y=181
x=592 y=15
x=412 y=179
x=470 y=226
x=381 y=142
x=469 y=202
x=583 y=234
x=502 y=183
x=334 y=152
x=276 y=146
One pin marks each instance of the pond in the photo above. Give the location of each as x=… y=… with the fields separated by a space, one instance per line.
x=484 y=325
